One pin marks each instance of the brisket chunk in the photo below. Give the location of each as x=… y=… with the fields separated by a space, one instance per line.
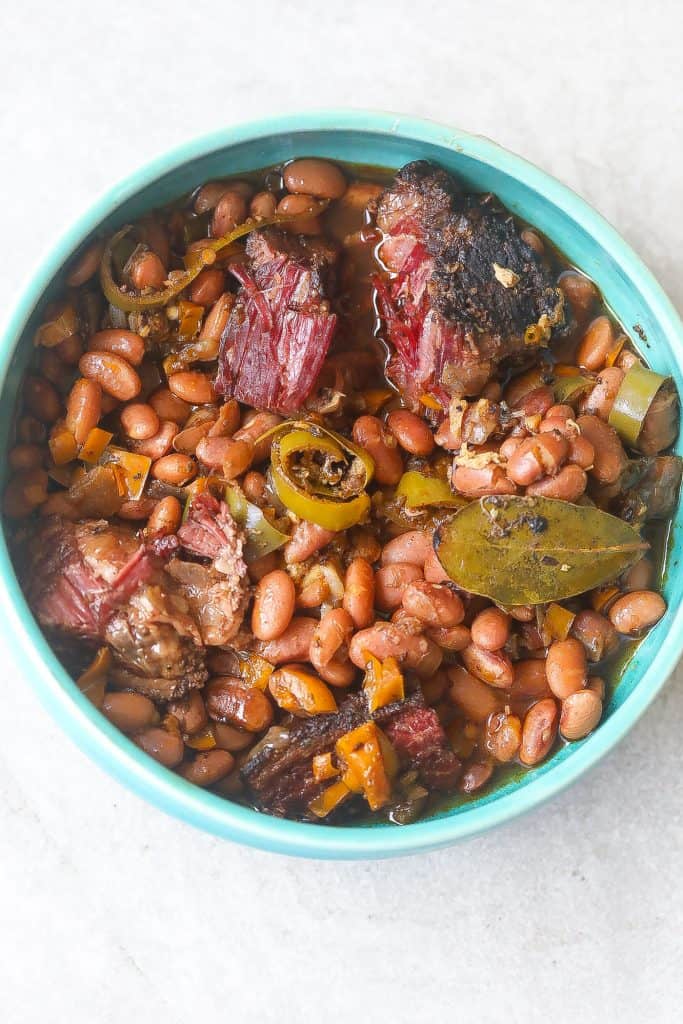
x=466 y=291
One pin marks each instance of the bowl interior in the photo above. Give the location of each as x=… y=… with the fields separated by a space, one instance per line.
x=587 y=242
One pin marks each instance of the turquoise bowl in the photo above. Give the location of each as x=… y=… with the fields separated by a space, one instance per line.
x=388 y=140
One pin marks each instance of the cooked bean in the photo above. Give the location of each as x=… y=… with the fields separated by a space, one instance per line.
x=30 y=430
x=413 y=547
x=596 y=633
x=41 y=399
x=298 y=206
x=638 y=577
x=294 y=644
x=229 y=738
x=208 y=767
x=359 y=193
x=581 y=452
x=491 y=629
x=53 y=369
x=165 y=747
x=610 y=458
x=522 y=612
x=435 y=604
x=228 y=420
x=113 y=373
x=166 y=517
x=177 y=469
x=127 y=344
x=147 y=271
x=25 y=456
x=636 y=612
x=530 y=679
x=660 y=426
x=86 y=265
x=436 y=689
x=246 y=707
x=190 y=712
x=273 y=605
x=137 y=509
x=160 y=444
x=314 y=177
x=510 y=446
x=538 y=456
x=397 y=640
x=411 y=432
x=492 y=667
x=597 y=686
x=24 y=492
x=580 y=714
x=600 y=399
x=254 y=427
x=478 y=482
x=580 y=293
x=300 y=692
x=70 y=349
x=208 y=286
x=129 y=712
x=433 y=569
x=391 y=581
x=229 y=211
x=568 y=485
x=255 y=488
x=596 y=344
x=263 y=205
x=260 y=567
x=538 y=732
x=232 y=456
x=217 y=318
x=198 y=426
x=503 y=736
x=359 y=592
x=370 y=434
x=192 y=386
x=168 y=406
x=208 y=195
x=334 y=632
x=536 y=402
x=139 y=421
x=307 y=538
x=83 y=408
x=475 y=775
x=453 y=638
x=566 y=667
x=474 y=698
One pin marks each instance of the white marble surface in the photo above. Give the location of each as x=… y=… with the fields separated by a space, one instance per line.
x=109 y=910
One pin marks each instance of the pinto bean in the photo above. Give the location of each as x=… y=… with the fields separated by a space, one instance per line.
x=164 y=746
x=610 y=458
x=530 y=679
x=452 y=638
x=260 y=567
x=566 y=667
x=538 y=456
x=298 y=206
x=535 y=402
x=581 y=712
x=491 y=629
x=597 y=686
x=246 y=707
x=208 y=286
x=228 y=420
x=314 y=177
x=638 y=577
x=492 y=667
x=126 y=344
x=595 y=632
x=435 y=604
x=41 y=399
x=307 y=538
x=192 y=386
x=273 y=605
x=503 y=736
x=233 y=457
x=147 y=271
x=208 y=196
x=160 y=444
x=70 y=349
x=24 y=492
x=413 y=547
x=198 y=426
x=263 y=205
x=168 y=406
x=370 y=434
x=391 y=581
x=227 y=737
x=596 y=344
x=176 y=469
x=329 y=648
x=637 y=612
x=25 y=456
x=229 y=211
x=129 y=712
x=359 y=592
x=581 y=452
x=190 y=712
x=254 y=426
x=510 y=446
x=166 y=517
x=600 y=399
x=114 y=374
x=255 y=488
x=479 y=482
x=538 y=732
x=139 y=421
x=433 y=569
x=53 y=369
x=398 y=640
x=208 y=767
x=83 y=408
x=294 y=644
x=411 y=432
x=568 y=485
x=86 y=265
x=475 y=775
x=217 y=318
x=137 y=509
x=472 y=696
x=580 y=293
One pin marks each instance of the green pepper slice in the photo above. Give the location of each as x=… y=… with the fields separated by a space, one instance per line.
x=635 y=396
x=420 y=491
x=261 y=535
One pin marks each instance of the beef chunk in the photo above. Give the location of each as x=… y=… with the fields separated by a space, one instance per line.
x=280 y=327
x=279 y=773
x=466 y=291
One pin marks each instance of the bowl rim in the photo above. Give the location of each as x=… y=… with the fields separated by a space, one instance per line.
x=93 y=734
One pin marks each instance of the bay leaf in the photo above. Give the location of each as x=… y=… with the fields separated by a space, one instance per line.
x=524 y=550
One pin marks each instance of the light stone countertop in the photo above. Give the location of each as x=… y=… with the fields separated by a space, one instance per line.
x=109 y=910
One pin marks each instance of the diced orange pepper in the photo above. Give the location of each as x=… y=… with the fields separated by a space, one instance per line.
x=95 y=443
x=133 y=469
x=565 y=370
x=369 y=762
x=324 y=768
x=375 y=398
x=63 y=447
x=254 y=670
x=383 y=682
x=330 y=798
x=430 y=402
x=300 y=692
x=557 y=622
x=615 y=351
x=202 y=740
x=602 y=598
x=189 y=320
